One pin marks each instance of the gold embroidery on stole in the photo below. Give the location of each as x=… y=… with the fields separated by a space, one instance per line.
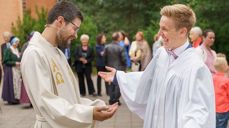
x=58 y=76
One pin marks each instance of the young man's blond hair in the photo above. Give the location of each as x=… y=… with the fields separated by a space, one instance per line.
x=182 y=15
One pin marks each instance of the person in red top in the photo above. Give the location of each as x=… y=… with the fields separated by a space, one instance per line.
x=221 y=85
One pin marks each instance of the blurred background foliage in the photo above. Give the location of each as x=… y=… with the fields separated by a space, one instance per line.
x=130 y=16
x=28 y=24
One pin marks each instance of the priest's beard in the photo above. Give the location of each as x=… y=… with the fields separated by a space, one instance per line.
x=61 y=41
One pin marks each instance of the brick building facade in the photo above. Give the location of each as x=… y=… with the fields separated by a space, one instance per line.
x=11 y=10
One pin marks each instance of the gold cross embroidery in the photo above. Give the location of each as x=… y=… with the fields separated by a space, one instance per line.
x=58 y=76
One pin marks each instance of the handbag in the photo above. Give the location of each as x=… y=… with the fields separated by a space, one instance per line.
x=135 y=66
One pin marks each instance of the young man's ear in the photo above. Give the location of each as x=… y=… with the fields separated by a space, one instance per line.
x=183 y=31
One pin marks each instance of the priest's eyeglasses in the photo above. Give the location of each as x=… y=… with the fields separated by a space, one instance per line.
x=77 y=27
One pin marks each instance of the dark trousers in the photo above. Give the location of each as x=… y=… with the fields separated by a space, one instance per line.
x=90 y=85
x=114 y=93
x=222 y=120
x=101 y=68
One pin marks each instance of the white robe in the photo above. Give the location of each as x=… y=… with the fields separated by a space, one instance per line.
x=53 y=89
x=176 y=95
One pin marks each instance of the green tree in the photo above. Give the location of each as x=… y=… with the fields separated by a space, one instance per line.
x=134 y=15
x=23 y=27
x=213 y=14
x=28 y=24
x=127 y=15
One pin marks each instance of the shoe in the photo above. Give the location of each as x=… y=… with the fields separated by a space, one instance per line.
x=13 y=103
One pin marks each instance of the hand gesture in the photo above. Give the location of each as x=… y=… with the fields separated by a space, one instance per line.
x=108 y=76
x=134 y=59
x=104 y=112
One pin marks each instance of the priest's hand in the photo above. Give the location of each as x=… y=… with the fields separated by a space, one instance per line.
x=108 y=76
x=104 y=112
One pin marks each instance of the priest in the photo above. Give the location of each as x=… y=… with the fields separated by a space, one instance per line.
x=176 y=88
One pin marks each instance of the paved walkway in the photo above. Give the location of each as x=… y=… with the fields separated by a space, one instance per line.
x=20 y=116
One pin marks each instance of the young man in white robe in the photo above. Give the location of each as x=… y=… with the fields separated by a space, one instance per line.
x=176 y=88
x=49 y=80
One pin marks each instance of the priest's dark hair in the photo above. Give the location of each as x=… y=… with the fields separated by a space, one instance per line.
x=66 y=9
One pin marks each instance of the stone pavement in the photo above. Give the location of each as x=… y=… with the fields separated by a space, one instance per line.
x=20 y=116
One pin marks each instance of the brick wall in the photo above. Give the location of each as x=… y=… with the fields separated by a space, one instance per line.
x=32 y=4
x=11 y=10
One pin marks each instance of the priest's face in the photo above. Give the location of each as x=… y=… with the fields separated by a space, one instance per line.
x=68 y=32
x=170 y=34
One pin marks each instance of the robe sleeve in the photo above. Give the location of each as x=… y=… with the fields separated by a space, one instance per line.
x=198 y=104
x=57 y=111
x=135 y=87
x=129 y=83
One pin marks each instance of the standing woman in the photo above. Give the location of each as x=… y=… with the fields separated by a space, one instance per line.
x=140 y=51
x=100 y=62
x=12 y=78
x=84 y=57
x=143 y=46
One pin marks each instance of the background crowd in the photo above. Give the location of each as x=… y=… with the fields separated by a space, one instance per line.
x=120 y=53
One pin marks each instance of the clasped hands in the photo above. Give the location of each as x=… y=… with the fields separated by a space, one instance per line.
x=83 y=60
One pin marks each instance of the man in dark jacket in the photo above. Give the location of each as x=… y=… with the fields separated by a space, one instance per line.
x=115 y=57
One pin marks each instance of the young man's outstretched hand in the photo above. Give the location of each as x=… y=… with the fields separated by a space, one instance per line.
x=108 y=76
